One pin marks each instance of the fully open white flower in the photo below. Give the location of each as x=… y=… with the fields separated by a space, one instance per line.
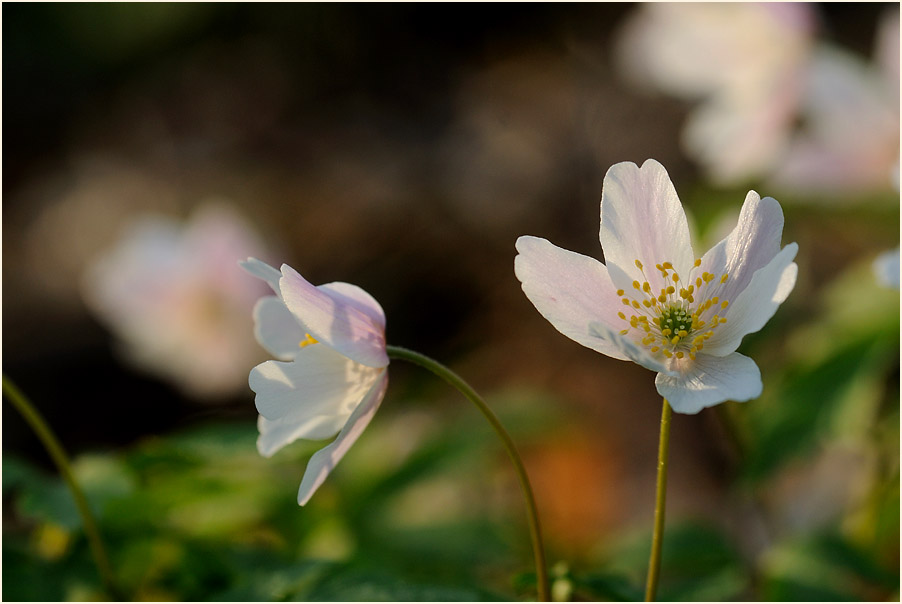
x=653 y=301
x=332 y=373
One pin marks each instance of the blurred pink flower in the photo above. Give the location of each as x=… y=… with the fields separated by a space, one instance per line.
x=333 y=371
x=742 y=62
x=171 y=294
x=653 y=302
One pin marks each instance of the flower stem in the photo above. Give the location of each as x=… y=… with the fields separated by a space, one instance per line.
x=55 y=449
x=535 y=531
x=654 y=563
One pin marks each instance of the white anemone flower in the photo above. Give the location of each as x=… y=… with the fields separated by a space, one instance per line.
x=657 y=304
x=331 y=374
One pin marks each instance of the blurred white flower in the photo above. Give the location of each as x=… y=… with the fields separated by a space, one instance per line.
x=653 y=302
x=333 y=371
x=743 y=63
x=773 y=102
x=848 y=141
x=173 y=296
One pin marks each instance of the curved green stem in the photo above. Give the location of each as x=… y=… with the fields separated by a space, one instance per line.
x=535 y=531
x=55 y=449
x=654 y=563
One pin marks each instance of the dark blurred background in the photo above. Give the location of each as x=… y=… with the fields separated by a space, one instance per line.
x=400 y=147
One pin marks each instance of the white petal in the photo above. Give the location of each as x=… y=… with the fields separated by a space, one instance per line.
x=629 y=349
x=332 y=319
x=755 y=306
x=324 y=460
x=642 y=219
x=276 y=329
x=261 y=270
x=570 y=290
x=319 y=381
x=275 y=434
x=709 y=380
x=356 y=297
x=886 y=266
x=751 y=246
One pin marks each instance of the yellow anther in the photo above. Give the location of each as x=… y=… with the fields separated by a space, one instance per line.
x=691 y=355
x=626 y=301
x=646 y=303
x=670 y=289
x=659 y=267
x=623 y=332
x=307 y=341
x=676 y=277
x=643 y=319
x=667 y=265
x=667 y=353
x=655 y=349
x=715 y=300
x=675 y=340
x=635 y=305
x=691 y=299
x=725 y=303
x=646 y=287
x=679 y=354
x=635 y=285
x=698 y=262
x=662 y=298
x=683 y=333
x=620 y=292
x=666 y=332
x=724 y=278
x=698 y=281
x=621 y=315
x=634 y=321
x=707 y=277
x=638 y=264
x=691 y=289
x=723 y=319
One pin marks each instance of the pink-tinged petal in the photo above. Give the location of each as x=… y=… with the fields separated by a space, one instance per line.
x=752 y=245
x=261 y=270
x=346 y=293
x=629 y=349
x=570 y=290
x=276 y=329
x=642 y=219
x=759 y=301
x=275 y=434
x=334 y=321
x=319 y=381
x=324 y=460
x=708 y=381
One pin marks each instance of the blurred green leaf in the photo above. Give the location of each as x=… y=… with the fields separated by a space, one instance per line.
x=827 y=568
x=698 y=563
x=362 y=585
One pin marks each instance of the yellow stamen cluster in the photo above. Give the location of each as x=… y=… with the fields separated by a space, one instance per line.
x=671 y=322
x=308 y=340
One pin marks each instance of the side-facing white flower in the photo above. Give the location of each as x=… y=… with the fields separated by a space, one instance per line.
x=653 y=301
x=332 y=373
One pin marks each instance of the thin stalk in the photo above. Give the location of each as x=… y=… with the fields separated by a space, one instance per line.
x=654 y=563
x=535 y=531
x=55 y=449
